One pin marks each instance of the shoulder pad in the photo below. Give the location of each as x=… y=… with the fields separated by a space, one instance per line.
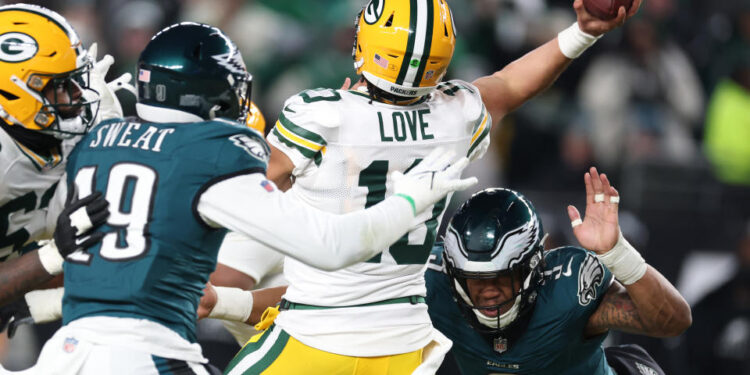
x=313 y=106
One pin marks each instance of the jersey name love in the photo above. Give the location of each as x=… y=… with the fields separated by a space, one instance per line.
x=405 y=125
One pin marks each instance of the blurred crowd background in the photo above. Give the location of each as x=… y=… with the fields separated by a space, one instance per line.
x=661 y=105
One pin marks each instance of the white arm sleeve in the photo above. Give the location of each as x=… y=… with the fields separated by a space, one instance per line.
x=312 y=236
x=249 y=256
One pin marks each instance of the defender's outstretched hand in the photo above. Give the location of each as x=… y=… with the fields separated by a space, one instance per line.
x=109 y=105
x=599 y=229
x=432 y=179
x=595 y=26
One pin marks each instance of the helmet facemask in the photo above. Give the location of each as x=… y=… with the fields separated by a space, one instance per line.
x=498 y=317
x=45 y=73
x=494 y=258
x=68 y=103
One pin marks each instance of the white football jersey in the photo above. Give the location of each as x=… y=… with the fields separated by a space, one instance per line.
x=27 y=185
x=343 y=146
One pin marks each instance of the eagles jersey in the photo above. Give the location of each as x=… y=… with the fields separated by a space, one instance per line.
x=158 y=252
x=27 y=184
x=553 y=343
x=343 y=146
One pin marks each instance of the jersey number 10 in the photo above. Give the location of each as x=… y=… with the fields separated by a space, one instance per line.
x=374 y=179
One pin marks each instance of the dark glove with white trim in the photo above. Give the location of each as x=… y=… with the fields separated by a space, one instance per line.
x=77 y=222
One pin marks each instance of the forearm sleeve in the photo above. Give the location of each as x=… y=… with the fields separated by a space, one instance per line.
x=312 y=236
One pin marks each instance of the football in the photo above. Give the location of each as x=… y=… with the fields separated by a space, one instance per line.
x=605 y=9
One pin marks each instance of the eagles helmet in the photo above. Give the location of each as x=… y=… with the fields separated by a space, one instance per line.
x=496 y=233
x=192 y=72
x=403 y=47
x=42 y=60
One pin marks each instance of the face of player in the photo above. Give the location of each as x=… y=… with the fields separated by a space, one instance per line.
x=493 y=292
x=67 y=94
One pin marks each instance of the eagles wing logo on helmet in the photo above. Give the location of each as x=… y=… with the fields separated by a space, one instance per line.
x=231 y=60
x=17 y=47
x=590 y=275
x=373 y=11
x=519 y=241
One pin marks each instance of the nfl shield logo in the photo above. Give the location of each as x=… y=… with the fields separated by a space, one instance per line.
x=501 y=344
x=70 y=345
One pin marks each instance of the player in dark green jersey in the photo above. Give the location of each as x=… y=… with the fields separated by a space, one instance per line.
x=176 y=178
x=511 y=307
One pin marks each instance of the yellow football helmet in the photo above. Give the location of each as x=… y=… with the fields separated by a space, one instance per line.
x=404 y=47
x=255 y=119
x=38 y=47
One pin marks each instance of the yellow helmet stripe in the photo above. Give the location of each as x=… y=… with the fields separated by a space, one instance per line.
x=428 y=42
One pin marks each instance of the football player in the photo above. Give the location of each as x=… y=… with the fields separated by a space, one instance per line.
x=51 y=90
x=511 y=307
x=340 y=145
x=176 y=179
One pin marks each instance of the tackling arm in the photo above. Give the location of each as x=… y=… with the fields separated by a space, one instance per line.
x=20 y=275
x=507 y=89
x=324 y=240
x=232 y=304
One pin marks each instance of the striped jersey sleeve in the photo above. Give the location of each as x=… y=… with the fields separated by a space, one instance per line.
x=303 y=127
x=480 y=139
x=474 y=111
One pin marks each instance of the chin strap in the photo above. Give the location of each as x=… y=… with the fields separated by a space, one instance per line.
x=493 y=322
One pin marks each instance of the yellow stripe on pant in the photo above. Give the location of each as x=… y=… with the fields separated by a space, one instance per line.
x=275 y=352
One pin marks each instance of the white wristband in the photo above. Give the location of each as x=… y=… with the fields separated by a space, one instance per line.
x=573 y=41
x=50 y=258
x=233 y=304
x=624 y=261
x=45 y=305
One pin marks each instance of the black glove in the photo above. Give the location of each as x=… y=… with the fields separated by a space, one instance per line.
x=13 y=315
x=78 y=220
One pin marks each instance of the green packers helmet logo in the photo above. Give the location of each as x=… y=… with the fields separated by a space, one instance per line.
x=373 y=11
x=17 y=47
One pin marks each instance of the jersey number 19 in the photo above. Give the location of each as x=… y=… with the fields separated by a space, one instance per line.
x=131 y=188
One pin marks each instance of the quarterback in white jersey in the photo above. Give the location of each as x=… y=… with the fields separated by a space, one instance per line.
x=343 y=145
x=338 y=147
